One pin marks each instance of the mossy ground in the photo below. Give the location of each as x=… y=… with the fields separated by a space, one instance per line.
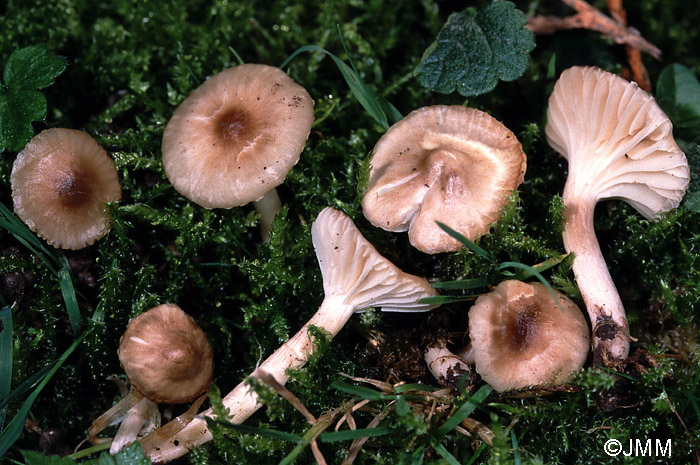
x=130 y=62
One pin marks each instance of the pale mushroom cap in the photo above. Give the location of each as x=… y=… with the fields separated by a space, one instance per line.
x=617 y=140
x=520 y=337
x=61 y=181
x=237 y=136
x=354 y=271
x=452 y=164
x=166 y=355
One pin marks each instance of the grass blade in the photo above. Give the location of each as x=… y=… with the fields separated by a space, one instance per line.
x=5 y=358
x=465 y=410
x=444 y=453
x=360 y=391
x=69 y=297
x=352 y=434
x=523 y=274
x=535 y=273
x=13 y=430
x=466 y=242
x=377 y=106
x=445 y=299
x=462 y=284
x=262 y=432
x=516 y=452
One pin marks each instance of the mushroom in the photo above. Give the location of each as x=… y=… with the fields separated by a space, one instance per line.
x=447 y=163
x=61 y=181
x=355 y=277
x=235 y=138
x=619 y=145
x=521 y=337
x=167 y=358
x=447 y=368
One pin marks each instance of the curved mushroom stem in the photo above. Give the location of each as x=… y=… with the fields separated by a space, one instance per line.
x=268 y=207
x=611 y=337
x=113 y=415
x=241 y=401
x=133 y=423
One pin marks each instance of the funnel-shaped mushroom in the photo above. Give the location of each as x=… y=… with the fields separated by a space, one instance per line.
x=451 y=164
x=520 y=337
x=355 y=277
x=619 y=145
x=235 y=138
x=61 y=182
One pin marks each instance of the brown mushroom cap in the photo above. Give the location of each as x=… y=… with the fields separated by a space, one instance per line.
x=520 y=337
x=61 y=181
x=166 y=355
x=237 y=136
x=452 y=164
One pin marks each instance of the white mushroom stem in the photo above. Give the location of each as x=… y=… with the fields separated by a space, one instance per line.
x=445 y=366
x=267 y=207
x=355 y=277
x=133 y=423
x=611 y=337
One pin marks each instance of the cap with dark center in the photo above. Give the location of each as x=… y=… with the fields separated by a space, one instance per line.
x=520 y=337
x=237 y=136
x=451 y=164
x=60 y=184
x=166 y=355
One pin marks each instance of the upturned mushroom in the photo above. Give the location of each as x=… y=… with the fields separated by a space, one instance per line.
x=61 y=182
x=521 y=337
x=451 y=164
x=355 y=277
x=619 y=145
x=167 y=358
x=235 y=138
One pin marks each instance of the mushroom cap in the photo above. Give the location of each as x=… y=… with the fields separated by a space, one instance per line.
x=520 y=337
x=166 y=355
x=357 y=274
x=61 y=181
x=452 y=164
x=617 y=140
x=237 y=136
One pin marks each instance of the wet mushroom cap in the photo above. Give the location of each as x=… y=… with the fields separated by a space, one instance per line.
x=520 y=337
x=61 y=181
x=237 y=136
x=166 y=355
x=452 y=164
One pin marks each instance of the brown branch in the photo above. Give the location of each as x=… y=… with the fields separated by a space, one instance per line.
x=638 y=73
x=589 y=17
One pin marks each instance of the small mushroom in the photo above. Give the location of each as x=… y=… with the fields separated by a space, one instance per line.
x=619 y=145
x=355 y=277
x=447 y=367
x=235 y=138
x=61 y=182
x=167 y=358
x=451 y=164
x=520 y=337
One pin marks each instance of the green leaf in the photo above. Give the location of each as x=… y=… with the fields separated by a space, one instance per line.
x=348 y=435
x=18 y=108
x=465 y=410
x=469 y=244
x=678 y=94
x=35 y=458
x=262 y=432
x=476 y=49
x=32 y=68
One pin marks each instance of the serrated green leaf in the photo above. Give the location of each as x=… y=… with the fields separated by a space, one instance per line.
x=476 y=49
x=32 y=68
x=18 y=108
